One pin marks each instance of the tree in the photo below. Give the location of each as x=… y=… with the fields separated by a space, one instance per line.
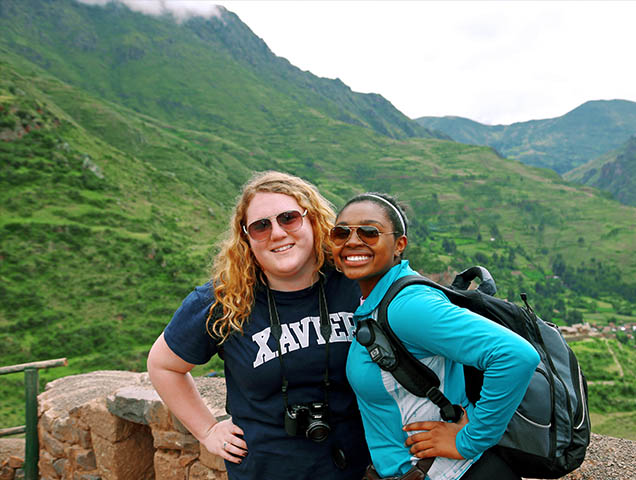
x=558 y=266
x=449 y=245
x=574 y=316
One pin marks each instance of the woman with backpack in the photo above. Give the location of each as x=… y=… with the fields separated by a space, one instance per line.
x=368 y=240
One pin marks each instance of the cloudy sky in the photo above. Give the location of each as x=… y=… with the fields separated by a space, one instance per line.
x=492 y=61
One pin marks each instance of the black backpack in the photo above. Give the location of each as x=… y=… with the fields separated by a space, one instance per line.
x=550 y=430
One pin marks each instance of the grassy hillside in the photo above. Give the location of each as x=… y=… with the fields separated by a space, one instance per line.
x=614 y=172
x=95 y=243
x=112 y=198
x=154 y=66
x=561 y=143
x=610 y=368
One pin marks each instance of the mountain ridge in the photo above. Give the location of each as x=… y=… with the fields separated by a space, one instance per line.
x=614 y=172
x=560 y=143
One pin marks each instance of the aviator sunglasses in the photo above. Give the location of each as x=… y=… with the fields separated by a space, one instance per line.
x=367 y=234
x=261 y=229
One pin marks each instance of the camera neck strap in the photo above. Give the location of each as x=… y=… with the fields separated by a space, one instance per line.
x=325 y=332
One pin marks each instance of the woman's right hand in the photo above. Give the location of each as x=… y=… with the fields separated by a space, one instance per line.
x=170 y=376
x=223 y=440
x=435 y=439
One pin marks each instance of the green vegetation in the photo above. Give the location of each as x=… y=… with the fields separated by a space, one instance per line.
x=561 y=143
x=614 y=173
x=117 y=175
x=619 y=424
x=609 y=366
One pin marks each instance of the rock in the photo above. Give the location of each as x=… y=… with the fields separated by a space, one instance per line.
x=167 y=465
x=103 y=423
x=7 y=473
x=198 y=471
x=52 y=445
x=88 y=164
x=171 y=440
x=134 y=403
x=81 y=458
x=210 y=460
x=46 y=466
x=607 y=458
x=127 y=459
x=67 y=393
x=11 y=447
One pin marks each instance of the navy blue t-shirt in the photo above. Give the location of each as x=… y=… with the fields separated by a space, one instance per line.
x=253 y=378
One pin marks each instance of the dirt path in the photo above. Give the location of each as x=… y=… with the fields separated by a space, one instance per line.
x=618 y=365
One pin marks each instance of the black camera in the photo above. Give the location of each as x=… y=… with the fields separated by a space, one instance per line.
x=309 y=420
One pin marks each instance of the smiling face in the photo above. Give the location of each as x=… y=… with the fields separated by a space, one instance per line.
x=287 y=258
x=362 y=262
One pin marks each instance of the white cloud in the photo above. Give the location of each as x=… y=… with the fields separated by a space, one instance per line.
x=180 y=9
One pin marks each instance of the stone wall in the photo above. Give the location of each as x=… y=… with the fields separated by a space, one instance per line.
x=11 y=458
x=112 y=425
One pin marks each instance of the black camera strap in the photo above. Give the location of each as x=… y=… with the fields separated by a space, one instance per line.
x=325 y=331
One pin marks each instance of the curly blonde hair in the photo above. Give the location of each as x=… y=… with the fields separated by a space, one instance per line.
x=235 y=270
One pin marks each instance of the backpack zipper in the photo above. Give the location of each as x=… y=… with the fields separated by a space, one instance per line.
x=532 y=422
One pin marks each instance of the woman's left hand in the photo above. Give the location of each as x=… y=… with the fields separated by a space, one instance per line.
x=438 y=439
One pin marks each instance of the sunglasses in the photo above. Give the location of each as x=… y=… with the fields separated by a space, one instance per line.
x=260 y=230
x=367 y=234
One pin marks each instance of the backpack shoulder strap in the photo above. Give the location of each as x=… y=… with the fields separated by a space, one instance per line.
x=413 y=375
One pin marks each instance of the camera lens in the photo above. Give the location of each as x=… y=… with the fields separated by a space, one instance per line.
x=317 y=431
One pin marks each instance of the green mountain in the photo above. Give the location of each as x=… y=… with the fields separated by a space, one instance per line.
x=614 y=172
x=152 y=65
x=561 y=143
x=125 y=138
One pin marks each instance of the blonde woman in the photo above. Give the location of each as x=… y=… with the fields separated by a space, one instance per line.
x=294 y=415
